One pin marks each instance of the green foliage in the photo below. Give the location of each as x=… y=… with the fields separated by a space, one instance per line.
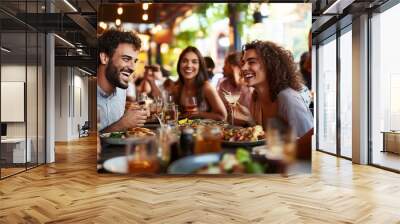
x=209 y=13
x=185 y=38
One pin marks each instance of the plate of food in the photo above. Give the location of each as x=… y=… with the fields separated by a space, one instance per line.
x=121 y=138
x=194 y=123
x=216 y=163
x=250 y=136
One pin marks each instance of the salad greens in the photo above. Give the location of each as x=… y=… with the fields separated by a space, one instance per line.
x=116 y=134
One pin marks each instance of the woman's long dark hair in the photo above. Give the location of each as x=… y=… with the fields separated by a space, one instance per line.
x=200 y=78
x=280 y=67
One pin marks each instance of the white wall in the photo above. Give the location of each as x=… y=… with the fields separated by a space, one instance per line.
x=13 y=73
x=71 y=94
x=34 y=125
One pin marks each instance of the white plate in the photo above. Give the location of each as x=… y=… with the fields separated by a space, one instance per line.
x=116 y=165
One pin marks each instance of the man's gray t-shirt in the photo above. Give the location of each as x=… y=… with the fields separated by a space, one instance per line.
x=293 y=108
x=111 y=107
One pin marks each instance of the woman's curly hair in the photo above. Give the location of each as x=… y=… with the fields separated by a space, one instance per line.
x=279 y=65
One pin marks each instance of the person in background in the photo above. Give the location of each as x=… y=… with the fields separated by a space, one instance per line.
x=270 y=69
x=170 y=86
x=118 y=53
x=308 y=69
x=308 y=62
x=194 y=89
x=210 y=65
x=131 y=90
x=233 y=83
x=152 y=81
x=304 y=69
x=212 y=77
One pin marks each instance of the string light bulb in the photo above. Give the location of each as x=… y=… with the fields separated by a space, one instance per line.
x=120 y=10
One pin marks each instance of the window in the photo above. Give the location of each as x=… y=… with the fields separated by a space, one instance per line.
x=385 y=89
x=326 y=108
x=346 y=93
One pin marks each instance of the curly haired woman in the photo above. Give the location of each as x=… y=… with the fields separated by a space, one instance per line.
x=270 y=69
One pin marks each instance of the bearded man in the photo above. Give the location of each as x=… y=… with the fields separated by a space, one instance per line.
x=118 y=55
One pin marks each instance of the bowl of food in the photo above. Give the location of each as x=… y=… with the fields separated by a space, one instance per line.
x=239 y=162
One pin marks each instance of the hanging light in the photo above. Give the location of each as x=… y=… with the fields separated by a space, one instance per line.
x=117 y=22
x=258 y=17
x=103 y=25
x=145 y=17
x=164 y=48
x=120 y=10
x=145 y=6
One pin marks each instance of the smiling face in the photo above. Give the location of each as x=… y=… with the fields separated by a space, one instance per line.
x=189 y=66
x=121 y=65
x=252 y=69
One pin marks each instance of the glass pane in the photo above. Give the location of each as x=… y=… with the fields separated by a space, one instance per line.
x=385 y=86
x=327 y=97
x=346 y=94
x=13 y=85
x=41 y=99
x=31 y=97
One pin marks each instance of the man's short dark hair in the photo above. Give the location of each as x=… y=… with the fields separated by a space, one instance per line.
x=110 y=39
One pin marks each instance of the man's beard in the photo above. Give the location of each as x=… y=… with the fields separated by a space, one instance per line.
x=113 y=75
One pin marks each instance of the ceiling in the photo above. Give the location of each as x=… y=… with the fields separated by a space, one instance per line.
x=75 y=22
x=78 y=24
x=330 y=15
x=161 y=12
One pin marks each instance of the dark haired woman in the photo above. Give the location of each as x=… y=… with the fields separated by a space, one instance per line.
x=270 y=69
x=193 y=85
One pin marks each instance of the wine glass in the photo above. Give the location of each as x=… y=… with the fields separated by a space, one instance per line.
x=141 y=100
x=232 y=99
x=191 y=104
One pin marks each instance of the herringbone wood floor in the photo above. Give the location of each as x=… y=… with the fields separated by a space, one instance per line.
x=70 y=191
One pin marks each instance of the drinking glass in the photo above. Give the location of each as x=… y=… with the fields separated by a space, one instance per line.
x=208 y=139
x=232 y=99
x=170 y=114
x=168 y=145
x=141 y=99
x=191 y=104
x=144 y=102
x=159 y=104
x=142 y=156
